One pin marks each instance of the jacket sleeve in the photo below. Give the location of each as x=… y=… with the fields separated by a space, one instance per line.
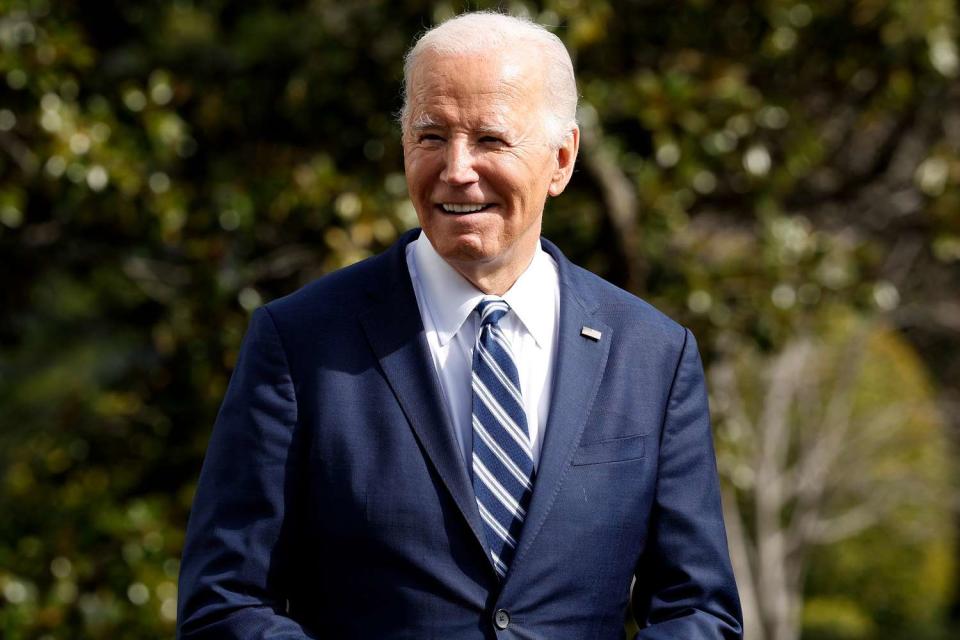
x=235 y=570
x=684 y=582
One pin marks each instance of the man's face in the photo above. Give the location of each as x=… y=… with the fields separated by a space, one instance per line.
x=477 y=160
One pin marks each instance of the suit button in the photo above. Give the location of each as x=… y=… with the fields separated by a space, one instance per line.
x=501 y=619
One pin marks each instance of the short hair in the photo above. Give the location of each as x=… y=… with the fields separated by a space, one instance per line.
x=485 y=30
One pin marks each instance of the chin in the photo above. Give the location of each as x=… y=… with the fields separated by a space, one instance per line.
x=459 y=239
x=468 y=249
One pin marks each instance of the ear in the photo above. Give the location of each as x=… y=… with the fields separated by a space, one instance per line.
x=566 y=157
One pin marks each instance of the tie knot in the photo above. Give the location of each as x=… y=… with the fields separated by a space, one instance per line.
x=491 y=310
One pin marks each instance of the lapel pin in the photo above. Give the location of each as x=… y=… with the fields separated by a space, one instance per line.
x=588 y=332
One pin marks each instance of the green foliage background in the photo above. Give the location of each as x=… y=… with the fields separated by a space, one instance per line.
x=165 y=167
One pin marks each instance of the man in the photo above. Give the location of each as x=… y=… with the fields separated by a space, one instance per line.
x=466 y=436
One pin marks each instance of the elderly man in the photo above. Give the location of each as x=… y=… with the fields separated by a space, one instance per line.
x=466 y=436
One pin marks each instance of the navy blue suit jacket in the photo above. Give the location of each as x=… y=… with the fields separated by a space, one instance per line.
x=334 y=501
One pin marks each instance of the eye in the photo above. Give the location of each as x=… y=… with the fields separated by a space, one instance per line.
x=427 y=138
x=492 y=140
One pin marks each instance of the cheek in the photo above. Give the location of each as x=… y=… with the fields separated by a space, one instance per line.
x=518 y=179
x=503 y=179
x=421 y=174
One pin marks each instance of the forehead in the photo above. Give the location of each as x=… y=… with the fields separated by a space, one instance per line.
x=477 y=85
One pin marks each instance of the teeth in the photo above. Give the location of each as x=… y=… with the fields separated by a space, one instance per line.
x=461 y=208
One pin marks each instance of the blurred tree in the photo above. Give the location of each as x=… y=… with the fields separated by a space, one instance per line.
x=167 y=167
x=832 y=437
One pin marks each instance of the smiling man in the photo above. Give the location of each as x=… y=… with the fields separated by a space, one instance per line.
x=483 y=149
x=466 y=436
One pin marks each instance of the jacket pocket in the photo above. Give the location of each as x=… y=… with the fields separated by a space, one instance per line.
x=613 y=450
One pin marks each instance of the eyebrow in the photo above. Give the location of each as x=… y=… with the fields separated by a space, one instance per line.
x=425 y=121
x=493 y=129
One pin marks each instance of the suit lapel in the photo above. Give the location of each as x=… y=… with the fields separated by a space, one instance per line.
x=395 y=332
x=579 y=367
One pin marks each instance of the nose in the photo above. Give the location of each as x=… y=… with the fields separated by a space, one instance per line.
x=458 y=168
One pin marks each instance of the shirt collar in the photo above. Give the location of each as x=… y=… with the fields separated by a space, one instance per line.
x=532 y=297
x=452 y=298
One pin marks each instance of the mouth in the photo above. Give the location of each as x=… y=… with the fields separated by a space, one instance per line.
x=463 y=207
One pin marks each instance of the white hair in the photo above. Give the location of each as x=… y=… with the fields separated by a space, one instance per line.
x=488 y=30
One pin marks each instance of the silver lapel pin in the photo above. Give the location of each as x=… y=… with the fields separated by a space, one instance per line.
x=588 y=332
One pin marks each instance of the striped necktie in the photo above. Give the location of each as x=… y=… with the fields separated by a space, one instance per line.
x=502 y=455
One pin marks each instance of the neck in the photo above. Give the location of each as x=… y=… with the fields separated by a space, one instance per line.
x=494 y=279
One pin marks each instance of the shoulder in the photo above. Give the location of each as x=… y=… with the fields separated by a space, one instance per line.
x=342 y=295
x=341 y=291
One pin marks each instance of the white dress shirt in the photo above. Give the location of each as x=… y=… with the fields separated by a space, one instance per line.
x=447 y=301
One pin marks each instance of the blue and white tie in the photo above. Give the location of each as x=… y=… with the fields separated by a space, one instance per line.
x=502 y=453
